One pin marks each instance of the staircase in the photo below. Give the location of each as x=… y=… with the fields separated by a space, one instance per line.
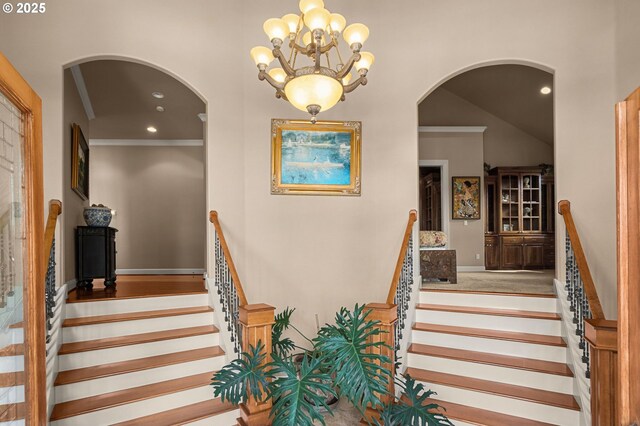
x=493 y=358
x=144 y=356
x=12 y=409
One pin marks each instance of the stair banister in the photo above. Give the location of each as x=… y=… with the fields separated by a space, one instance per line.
x=413 y=216
x=248 y=324
x=55 y=210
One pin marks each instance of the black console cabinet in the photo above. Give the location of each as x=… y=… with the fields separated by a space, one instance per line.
x=95 y=255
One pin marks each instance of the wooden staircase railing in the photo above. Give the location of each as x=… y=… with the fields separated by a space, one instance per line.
x=247 y=323
x=393 y=313
x=598 y=340
x=55 y=210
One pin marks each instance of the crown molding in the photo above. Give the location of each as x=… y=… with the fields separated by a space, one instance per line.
x=146 y=142
x=451 y=129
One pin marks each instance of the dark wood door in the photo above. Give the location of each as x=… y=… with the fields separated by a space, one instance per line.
x=533 y=256
x=491 y=252
x=511 y=253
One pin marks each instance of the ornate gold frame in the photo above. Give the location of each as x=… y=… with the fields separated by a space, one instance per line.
x=79 y=142
x=277 y=187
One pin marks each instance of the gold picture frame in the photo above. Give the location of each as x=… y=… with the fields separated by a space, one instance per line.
x=315 y=159
x=79 y=162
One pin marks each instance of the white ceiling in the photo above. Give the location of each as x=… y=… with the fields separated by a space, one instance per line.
x=510 y=92
x=120 y=93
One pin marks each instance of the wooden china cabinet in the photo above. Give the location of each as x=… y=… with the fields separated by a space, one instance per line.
x=519 y=218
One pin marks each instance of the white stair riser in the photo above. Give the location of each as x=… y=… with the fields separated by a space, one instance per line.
x=126 y=328
x=12 y=395
x=129 y=352
x=506 y=405
x=11 y=364
x=537 y=304
x=110 y=307
x=492 y=322
x=222 y=419
x=138 y=378
x=140 y=408
x=13 y=423
x=495 y=346
x=532 y=379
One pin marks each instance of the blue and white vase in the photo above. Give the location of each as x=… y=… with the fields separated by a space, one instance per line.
x=97 y=216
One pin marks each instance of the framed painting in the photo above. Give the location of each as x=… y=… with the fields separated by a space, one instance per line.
x=79 y=162
x=320 y=159
x=465 y=197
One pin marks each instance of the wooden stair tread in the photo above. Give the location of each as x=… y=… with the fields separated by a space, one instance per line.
x=127 y=396
x=11 y=379
x=482 y=417
x=133 y=316
x=134 y=339
x=140 y=287
x=183 y=415
x=490 y=293
x=539 y=339
x=547 y=367
x=539 y=396
x=12 y=350
x=489 y=311
x=140 y=364
x=11 y=412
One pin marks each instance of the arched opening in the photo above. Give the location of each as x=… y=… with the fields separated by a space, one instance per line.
x=486 y=197
x=135 y=143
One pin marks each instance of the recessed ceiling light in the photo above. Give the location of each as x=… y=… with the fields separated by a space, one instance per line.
x=159 y=108
x=151 y=129
x=545 y=90
x=158 y=95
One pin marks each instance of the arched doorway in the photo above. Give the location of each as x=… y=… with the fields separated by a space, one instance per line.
x=486 y=154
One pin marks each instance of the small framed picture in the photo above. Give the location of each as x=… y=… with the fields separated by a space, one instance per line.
x=79 y=163
x=465 y=198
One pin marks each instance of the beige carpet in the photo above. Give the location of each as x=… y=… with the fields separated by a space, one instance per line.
x=501 y=282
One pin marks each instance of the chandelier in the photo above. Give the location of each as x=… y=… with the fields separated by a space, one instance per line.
x=317 y=86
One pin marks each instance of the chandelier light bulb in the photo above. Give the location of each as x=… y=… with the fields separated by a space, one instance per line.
x=365 y=62
x=337 y=22
x=317 y=19
x=261 y=55
x=313 y=89
x=276 y=29
x=306 y=38
x=307 y=5
x=292 y=20
x=278 y=74
x=356 y=34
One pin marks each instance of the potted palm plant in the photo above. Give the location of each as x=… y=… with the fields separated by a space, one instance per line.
x=340 y=364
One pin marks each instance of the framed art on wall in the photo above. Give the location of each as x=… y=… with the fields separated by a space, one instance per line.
x=321 y=158
x=465 y=197
x=79 y=162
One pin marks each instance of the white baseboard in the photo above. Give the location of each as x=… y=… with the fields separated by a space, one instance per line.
x=471 y=268
x=70 y=285
x=184 y=271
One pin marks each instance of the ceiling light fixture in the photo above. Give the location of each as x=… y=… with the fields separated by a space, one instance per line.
x=545 y=90
x=160 y=108
x=158 y=95
x=151 y=129
x=316 y=87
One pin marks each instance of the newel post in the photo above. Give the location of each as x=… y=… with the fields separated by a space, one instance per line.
x=387 y=314
x=256 y=321
x=602 y=336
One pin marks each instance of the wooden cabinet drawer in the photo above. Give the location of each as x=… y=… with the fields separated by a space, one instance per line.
x=512 y=240
x=535 y=240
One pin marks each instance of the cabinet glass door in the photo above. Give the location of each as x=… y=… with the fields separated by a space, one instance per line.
x=509 y=203
x=531 y=203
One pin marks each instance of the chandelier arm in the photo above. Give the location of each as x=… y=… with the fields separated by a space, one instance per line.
x=324 y=49
x=263 y=75
x=299 y=48
x=347 y=67
x=283 y=61
x=362 y=80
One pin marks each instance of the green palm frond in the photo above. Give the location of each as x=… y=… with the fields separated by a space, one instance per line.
x=282 y=346
x=413 y=408
x=298 y=395
x=241 y=377
x=356 y=369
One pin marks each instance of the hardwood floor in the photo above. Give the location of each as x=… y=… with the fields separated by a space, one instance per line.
x=137 y=286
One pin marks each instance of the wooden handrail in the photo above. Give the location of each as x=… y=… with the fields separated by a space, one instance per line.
x=564 y=208
x=55 y=210
x=213 y=218
x=413 y=216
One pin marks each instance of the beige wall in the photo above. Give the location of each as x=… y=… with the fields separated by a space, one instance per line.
x=463 y=151
x=72 y=204
x=627 y=39
x=504 y=144
x=317 y=253
x=159 y=198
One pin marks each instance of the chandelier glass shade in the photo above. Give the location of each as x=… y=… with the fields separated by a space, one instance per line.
x=313 y=36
